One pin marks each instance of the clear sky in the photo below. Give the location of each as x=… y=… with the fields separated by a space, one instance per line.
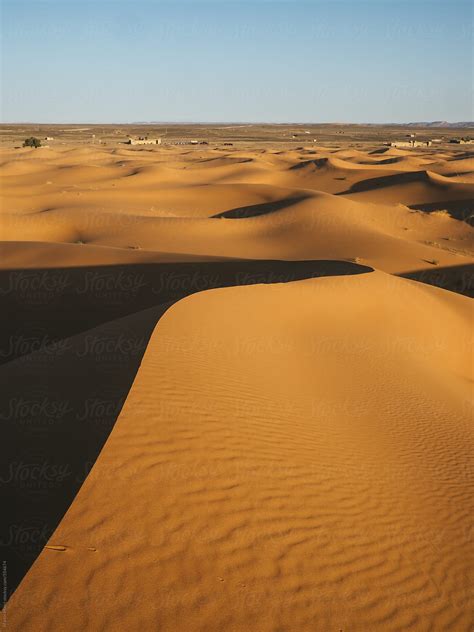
x=266 y=60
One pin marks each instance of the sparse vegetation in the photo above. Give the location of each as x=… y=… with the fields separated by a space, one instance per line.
x=32 y=141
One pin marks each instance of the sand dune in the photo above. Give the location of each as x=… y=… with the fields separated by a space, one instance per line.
x=106 y=311
x=418 y=189
x=240 y=388
x=260 y=475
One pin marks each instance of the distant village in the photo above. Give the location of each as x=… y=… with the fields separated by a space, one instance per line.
x=144 y=140
x=411 y=141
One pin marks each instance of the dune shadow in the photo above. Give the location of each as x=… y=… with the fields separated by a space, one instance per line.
x=71 y=344
x=316 y=163
x=462 y=156
x=463 y=210
x=385 y=181
x=459 y=209
x=458 y=279
x=380 y=150
x=243 y=212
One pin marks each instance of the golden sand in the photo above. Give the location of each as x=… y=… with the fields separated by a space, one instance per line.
x=291 y=456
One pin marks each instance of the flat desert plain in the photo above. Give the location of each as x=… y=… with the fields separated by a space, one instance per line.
x=239 y=383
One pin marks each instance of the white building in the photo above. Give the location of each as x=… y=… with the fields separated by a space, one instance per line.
x=144 y=140
x=409 y=143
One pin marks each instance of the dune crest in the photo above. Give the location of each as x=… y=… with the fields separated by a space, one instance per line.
x=280 y=471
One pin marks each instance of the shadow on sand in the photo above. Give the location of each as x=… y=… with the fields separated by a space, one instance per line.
x=243 y=212
x=458 y=279
x=71 y=344
x=463 y=210
x=378 y=182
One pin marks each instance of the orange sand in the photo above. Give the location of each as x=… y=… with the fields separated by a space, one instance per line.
x=291 y=456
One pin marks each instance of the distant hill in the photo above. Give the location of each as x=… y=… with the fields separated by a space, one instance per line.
x=441 y=124
x=445 y=124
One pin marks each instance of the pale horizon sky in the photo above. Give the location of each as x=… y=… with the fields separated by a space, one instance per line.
x=348 y=61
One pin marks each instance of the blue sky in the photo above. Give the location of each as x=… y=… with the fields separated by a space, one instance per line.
x=271 y=61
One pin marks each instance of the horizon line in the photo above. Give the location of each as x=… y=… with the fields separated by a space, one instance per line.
x=242 y=123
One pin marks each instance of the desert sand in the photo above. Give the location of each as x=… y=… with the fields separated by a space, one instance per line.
x=239 y=387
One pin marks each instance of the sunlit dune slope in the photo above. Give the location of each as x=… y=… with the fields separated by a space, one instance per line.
x=290 y=457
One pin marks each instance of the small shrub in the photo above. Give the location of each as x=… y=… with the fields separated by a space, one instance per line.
x=32 y=142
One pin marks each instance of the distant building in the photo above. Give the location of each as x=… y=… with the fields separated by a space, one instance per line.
x=409 y=143
x=144 y=140
x=182 y=141
x=462 y=141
